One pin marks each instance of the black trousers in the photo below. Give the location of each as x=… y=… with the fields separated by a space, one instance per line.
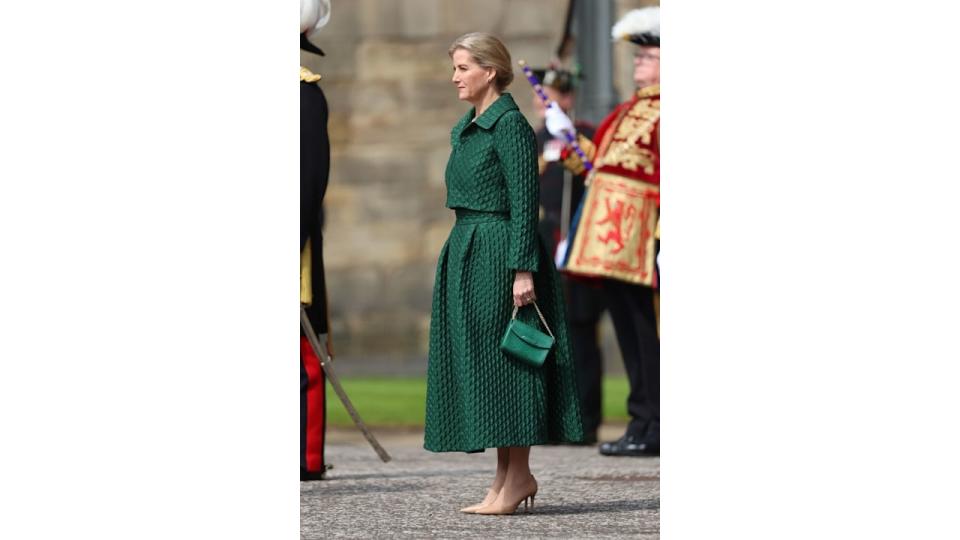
x=635 y=321
x=585 y=306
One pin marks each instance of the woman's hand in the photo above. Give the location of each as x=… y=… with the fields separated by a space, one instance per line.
x=523 y=292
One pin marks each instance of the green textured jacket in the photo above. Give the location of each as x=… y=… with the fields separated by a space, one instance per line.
x=493 y=168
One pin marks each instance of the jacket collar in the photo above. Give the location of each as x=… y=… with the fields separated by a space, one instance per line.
x=649 y=91
x=496 y=109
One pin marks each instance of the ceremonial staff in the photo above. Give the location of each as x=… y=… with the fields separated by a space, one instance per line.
x=327 y=365
x=571 y=137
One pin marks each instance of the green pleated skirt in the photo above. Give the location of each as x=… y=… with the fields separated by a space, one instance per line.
x=478 y=397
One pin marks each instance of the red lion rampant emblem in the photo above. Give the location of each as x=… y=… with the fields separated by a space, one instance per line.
x=619 y=217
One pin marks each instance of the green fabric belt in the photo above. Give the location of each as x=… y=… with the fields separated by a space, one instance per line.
x=470 y=217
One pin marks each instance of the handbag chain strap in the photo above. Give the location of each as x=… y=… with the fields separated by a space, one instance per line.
x=544 y=321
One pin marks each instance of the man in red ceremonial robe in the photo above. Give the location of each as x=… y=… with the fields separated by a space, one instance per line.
x=616 y=237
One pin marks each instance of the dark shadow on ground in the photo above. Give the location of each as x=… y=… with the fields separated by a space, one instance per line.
x=331 y=489
x=331 y=477
x=597 y=507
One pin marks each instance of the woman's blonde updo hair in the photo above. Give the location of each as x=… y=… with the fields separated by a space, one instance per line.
x=488 y=52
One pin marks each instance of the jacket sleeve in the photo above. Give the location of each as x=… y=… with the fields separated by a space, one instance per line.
x=516 y=148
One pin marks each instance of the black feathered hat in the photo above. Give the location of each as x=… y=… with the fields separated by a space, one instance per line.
x=305 y=45
x=561 y=80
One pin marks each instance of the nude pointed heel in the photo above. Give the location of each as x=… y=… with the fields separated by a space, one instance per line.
x=528 y=503
x=491 y=496
x=510 y=508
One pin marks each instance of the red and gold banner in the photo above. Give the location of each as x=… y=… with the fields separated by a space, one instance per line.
x=615 y=235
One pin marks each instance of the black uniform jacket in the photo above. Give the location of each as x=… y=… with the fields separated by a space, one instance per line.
x=314 y=173
x=584 y=298
x=551 y=189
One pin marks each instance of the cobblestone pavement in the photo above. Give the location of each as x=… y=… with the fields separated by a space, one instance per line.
x=417 y=495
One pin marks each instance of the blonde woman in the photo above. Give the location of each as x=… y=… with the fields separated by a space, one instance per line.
x=493 y=261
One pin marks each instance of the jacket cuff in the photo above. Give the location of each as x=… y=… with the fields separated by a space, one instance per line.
x=527 y=264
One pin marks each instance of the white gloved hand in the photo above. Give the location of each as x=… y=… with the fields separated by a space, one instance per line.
x=558 y=122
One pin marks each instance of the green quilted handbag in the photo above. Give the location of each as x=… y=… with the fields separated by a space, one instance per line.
x=526 y=343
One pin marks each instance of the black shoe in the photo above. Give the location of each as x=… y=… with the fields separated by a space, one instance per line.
x=629 y=445
x=307 y=476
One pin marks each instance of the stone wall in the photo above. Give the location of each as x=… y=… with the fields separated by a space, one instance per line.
x=386 y=75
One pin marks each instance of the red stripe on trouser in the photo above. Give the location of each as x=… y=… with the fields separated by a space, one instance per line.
x=315 y=406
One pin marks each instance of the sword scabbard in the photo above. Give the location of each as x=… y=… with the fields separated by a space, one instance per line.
x=327 y=366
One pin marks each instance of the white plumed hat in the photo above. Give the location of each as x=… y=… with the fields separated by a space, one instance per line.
x=314 y=15
x=640 y=26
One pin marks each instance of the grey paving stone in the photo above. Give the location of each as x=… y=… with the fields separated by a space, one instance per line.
x=417 y=495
